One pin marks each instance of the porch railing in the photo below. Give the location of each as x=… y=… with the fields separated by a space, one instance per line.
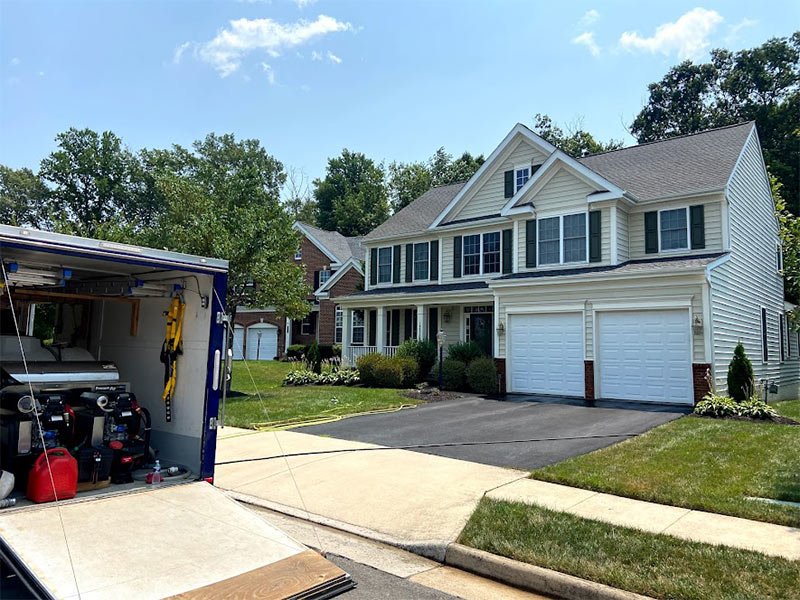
x=389 y=350
x=358 y=351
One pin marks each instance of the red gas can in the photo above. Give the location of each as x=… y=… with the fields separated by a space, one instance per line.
x=65 y=476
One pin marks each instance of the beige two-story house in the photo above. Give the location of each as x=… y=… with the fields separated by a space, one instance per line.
x=628 y=275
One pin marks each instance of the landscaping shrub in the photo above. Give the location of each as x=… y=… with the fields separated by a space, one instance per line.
x=296 y=351
x=389 y=373
x=423 y=352
x=409 y=368
x=454 y=374
x=740 y=375
x=715 y=406
x=333 y=376
x=366 y=367
x=755 y=408
x=482 y=376
x=336 y=351
x=314 y=358
x=465 y=352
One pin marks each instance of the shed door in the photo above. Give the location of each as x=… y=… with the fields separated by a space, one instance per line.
x=262 y=342
x=546 y=354
x=645 y=355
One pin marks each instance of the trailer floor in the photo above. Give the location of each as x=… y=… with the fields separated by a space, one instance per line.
x=155 y=544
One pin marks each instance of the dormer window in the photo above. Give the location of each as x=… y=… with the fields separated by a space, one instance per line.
x=521 y=176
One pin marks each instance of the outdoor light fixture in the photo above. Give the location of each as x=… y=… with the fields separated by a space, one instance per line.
x=446 y=315
x=501 y=326
x=441 y=340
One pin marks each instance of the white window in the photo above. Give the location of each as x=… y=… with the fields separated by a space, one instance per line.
x=357 y=328
x=385 y=265
x=575 y=238
x=421 y=266
x=563 y=239
x=779 y=255
x=307 y=325
x=521 y=176
x=674 y=229
x=298 y=255
x=491 y=252
x=550 y=241
x=338 y=320
x=324 y=276
x=472 y=255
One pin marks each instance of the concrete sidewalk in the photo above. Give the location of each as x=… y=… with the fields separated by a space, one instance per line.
x=422 y=502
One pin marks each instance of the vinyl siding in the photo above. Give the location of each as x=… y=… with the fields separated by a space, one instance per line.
x=713 y=221
x=749 y=280
x=564 y=193
x=598 y=291
x=489 y=198
x=402 y=244
x=623 y=237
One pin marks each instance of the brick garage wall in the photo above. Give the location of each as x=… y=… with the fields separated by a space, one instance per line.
x=350 y=282
x=314 y=260
x=251 y=318
x=699 y=381
x=500 y=365
x=588 y=378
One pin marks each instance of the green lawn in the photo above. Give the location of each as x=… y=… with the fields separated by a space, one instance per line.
x=705 y=464
x=281 y=404
x=655 y=565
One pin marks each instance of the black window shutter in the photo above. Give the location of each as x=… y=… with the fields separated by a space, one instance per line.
x=396 y=265
x=783 y=335
x=407 y=334
x=373 y=327
x=373 y=266
x=433 y=322
x=507 y=251
x=434 y=268
x=764 y=339
x=409 y=263
x=530 y=243
x=698 y=224
x=395 y=338
x=651 y=232
x=457 y=256
x=595 y=248
x=509 y=183
x=316 y=279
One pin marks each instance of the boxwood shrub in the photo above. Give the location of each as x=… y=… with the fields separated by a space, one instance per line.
x=422 y=351
x=482 y=376
x=454 y=374
x=465 y=352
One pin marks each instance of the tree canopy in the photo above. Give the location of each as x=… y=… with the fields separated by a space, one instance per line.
x=761 y=84
x=351 y=198
x=23 y=198
x=575 y=141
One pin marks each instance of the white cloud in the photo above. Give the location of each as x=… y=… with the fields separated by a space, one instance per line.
x=589 y=17
x=587 y=39
x=179 y=51
x=733 y=30
x=270 y=73
x=15 y=62
x=226 y=51
x=687 y=37
x=333 y=58
x=304 y=3
x=315 y=55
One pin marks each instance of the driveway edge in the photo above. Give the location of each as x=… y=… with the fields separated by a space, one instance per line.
x=530 y=577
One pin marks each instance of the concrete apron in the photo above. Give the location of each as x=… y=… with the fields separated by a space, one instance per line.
x=408 y=499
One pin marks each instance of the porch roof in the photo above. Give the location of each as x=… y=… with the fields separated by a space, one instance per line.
x=418 y=293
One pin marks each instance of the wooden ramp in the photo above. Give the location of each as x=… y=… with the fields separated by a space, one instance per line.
x=185 y=541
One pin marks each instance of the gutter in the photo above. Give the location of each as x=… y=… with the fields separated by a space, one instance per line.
x=591 y=277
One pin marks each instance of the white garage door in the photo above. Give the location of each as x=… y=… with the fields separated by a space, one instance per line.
x=546 y=354
x=645 y=355
x=262 y=342
x=238 y=342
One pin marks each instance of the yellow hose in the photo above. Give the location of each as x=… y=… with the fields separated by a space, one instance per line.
x=292 y=423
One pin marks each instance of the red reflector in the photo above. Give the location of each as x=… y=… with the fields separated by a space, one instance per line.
x=115 y=445
x=209 y=480
x=126 y=460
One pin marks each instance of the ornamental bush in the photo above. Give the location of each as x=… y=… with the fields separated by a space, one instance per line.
x=366 y=367
x=389 y=373
x=715 y=406
x=755 y=408
x=740 y=375
x=482 y=376
x=465 y=352
x=454 y=374
x=409 y=368
x=314 y=358
x=423 y=352
x=296 y=351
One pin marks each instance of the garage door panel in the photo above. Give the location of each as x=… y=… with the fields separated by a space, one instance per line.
x=263 y=346
x=546 y=354
x=645 y=355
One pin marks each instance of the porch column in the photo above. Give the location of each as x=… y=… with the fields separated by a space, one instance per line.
x=381 y=325
x=347 y=319
x=422 y=328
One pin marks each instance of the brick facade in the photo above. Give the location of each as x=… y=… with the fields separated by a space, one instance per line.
x=350 y=282
x=588 y=378
x=500 y=365
x=699 y=381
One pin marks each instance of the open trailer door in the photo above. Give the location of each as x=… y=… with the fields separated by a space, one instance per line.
x=189 y=541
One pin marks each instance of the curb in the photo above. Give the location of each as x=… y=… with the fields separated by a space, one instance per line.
x=505 y=570
x=530 y=577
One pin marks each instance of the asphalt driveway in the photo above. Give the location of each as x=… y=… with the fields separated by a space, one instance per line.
x=501 y=433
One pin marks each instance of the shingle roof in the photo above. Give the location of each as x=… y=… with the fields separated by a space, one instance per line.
x=342 y=247
x=418 y=215
x=681 y=165
x=644 y=265
x=687 y=164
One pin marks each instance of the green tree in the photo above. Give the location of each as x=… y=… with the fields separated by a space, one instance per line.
x=740 y=375
x=575 y=141
x=351 y=199
x=297 y=197
x=223 y=200
x=23 y=198
x=760 y=84
x=97 y=186
x=790 y=244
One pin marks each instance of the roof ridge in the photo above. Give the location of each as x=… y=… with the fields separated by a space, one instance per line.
x=669 y=139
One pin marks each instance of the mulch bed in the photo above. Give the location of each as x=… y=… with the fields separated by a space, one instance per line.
x=432 y=394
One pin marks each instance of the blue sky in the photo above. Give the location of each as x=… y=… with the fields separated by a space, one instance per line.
x=395 y=80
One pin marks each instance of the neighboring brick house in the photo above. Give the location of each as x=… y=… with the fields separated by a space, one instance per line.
x=333 y=268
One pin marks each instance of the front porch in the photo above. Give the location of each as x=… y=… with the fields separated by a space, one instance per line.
x=368 y=329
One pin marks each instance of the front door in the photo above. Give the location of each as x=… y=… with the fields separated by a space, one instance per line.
x=480 y=331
